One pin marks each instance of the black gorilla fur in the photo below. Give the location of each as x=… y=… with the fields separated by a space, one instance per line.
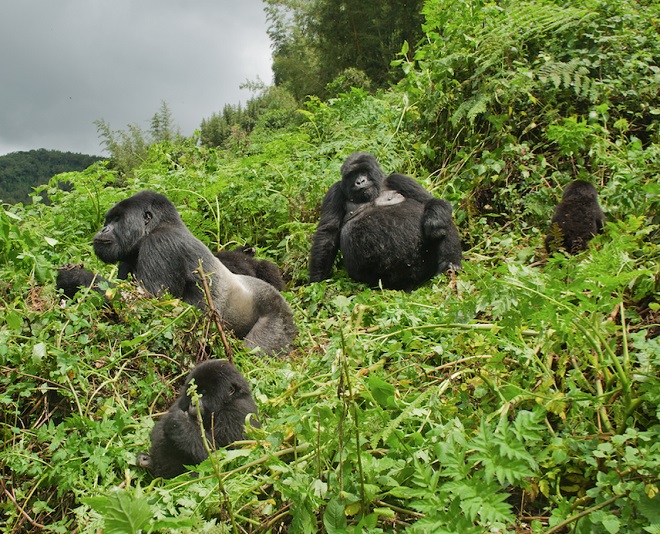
x=226 y=401
x=577 y=218
x=242 y=261
x=71 y=278
x=389 y=229
x=146 y=235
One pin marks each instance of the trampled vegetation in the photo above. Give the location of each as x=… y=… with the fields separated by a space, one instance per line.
x=523 y=395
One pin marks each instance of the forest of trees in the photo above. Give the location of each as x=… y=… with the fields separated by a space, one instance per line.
x=321 y=48
x=21 y=172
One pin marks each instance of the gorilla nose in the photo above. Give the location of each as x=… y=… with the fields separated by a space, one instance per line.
x=361 y=181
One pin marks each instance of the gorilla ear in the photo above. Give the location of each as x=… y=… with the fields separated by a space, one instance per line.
x=147 y=217
x=232 y=390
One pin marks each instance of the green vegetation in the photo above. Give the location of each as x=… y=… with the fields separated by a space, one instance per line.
x=317 y=42
x=521 y=396
x=21 y=172
x=128 y=148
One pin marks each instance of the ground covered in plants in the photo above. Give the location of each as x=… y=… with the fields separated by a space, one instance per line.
x=521 y=395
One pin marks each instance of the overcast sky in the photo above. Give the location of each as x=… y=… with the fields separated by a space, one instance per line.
x=66 y=63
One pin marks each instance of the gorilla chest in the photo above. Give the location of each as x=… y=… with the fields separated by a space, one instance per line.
x=385 y=232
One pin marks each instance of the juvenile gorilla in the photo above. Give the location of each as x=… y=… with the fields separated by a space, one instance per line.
x=242 y=261
x=389 y=229
x=71 y=278
x=225 y=402
x=577 y=218
x=145 y=234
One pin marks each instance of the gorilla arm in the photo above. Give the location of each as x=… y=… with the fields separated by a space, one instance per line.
x=437 y=212
x=71 y=278
x=326 y=238
x=184 y=433
x=176 y=441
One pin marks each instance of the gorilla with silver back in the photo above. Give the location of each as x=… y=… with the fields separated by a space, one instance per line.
x=146 y=235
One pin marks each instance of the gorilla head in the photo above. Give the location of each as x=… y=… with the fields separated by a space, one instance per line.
x=146 y=235
x=129 y=221
x=577 y=218
x=176 y=440
x=361 y=178
x=390 y=230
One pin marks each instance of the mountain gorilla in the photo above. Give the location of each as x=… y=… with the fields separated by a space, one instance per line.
x=225 y=402
x=71 y=278
x=577 y=218
x=241 y=260
x=146 y=235
x=389 y=229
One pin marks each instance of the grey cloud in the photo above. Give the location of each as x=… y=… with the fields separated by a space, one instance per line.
x=68 y=63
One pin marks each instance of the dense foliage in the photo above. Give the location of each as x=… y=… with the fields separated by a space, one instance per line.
x=317 y=41
x=522 y=395
x=20 y=172
x=273 y=107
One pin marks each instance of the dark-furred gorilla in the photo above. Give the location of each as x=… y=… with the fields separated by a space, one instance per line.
x=241 y=260
x=71 y=278
x=176 y=439
x=577 y=218
x=146 y=235
x=389 y=229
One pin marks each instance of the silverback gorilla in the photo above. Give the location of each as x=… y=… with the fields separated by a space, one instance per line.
x=176 y=440
x=577 y=218
x=146 y=235
x=390 y=230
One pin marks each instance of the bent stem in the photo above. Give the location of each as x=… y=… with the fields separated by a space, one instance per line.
x=214 y=313
x=192 y=392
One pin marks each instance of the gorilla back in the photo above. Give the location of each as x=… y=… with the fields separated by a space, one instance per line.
x=147 y=236
x=577 y=218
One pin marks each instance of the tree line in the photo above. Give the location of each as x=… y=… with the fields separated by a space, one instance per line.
x=20 y=172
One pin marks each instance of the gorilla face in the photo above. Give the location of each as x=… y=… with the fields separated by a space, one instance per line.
x=120 y=235
x=129 y=221
x=362 y=178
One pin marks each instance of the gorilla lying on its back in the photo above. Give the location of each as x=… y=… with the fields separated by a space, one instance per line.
x=390 y=230
x=176 y=439
x=146 y=235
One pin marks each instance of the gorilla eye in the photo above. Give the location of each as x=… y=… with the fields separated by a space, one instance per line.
x=147 y=217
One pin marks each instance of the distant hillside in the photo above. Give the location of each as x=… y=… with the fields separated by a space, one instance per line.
x=21 y=171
